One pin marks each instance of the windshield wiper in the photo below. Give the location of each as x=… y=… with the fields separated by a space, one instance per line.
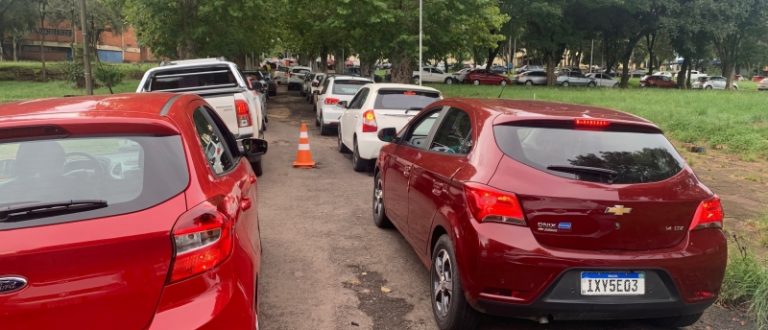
x=610 y=174
x=49 y=209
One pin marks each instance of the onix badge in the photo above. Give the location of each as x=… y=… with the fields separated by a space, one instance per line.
x=618 y=210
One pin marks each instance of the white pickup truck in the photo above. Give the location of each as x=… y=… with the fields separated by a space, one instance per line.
x=221 y=84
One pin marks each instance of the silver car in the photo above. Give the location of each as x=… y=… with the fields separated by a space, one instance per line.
x=575 y=78
x=763 y=85
x=530 y=78
x=603 y=80
x=717 y=82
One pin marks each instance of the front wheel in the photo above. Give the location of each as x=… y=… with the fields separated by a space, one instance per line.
x=503 y=83
x=476 y=82
x=564 y=84
x=591 y=84
x=449 y=306
x=416 y=80
x=449 y=81
x=529 y=83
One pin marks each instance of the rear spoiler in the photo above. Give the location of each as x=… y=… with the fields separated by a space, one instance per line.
x=581 y=123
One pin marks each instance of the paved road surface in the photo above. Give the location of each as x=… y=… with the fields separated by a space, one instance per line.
x=325 y=263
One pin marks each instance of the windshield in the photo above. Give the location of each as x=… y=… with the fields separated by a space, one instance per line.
x=348 y=87
x=192 y=78
x=404 y=99
x=129 y=173
x=635 y=157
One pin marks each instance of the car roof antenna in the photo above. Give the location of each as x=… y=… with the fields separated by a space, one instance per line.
x=502 y=90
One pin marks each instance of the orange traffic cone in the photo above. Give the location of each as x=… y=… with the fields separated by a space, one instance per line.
x=304 y=156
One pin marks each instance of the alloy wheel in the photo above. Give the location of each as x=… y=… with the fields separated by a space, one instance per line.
x=378 y=200
x=442 y=283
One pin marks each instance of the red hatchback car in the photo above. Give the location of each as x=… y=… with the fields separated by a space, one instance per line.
x=658 y=82
x=126 y=212
x=550 y=211
x=486 y=77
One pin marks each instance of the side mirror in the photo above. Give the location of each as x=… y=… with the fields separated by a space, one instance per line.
x=388 y=134
x=253 y=147
x=342 y=104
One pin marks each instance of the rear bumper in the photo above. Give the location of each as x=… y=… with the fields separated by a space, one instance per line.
x=369 y=145
x=330 y=114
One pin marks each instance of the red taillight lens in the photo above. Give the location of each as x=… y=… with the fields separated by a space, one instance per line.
x=202 y=239
x=331 y=101
x=708 y=215
x=592 y=123
x=491 y=205
x=243 y=115
x=369 y=122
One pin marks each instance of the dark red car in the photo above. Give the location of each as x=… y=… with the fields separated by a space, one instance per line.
x=550 y=211
x=486 y=77
x=658 y=81
x=126 y=212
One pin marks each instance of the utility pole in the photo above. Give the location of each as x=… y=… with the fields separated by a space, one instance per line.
x=421 y=37
x=86 y=57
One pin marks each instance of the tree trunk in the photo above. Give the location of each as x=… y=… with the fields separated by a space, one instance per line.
x=324 y=60
x=15 y=44
x=624 y=72
x=402 y=72
x=338 y=56
x=728 y=74
x=650 y=43
x=681 y=76
x=551 y=64
x=492 y=53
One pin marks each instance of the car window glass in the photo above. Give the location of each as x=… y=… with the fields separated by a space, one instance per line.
x=359 y=99
x=404 y=99
x=348 y=87
x=454 y=136
x=325 y=86
x=213 y=143
x=419 y=132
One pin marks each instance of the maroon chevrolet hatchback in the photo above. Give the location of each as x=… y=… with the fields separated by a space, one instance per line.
x=550 y=211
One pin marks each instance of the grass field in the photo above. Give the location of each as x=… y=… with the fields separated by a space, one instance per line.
x=736 y=121
x=24 y=90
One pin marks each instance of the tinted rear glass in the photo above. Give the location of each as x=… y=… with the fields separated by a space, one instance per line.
x=348 y=87
x=130 y=173
x=636 y=157
x=192 y=78
x=404 y=99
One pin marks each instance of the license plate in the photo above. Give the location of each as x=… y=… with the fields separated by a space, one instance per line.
x=612 y=283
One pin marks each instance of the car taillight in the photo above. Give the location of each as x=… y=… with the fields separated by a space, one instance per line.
x=708 y=215
x=243 y=115
x=331 y=101
x=369 y=122
x=202 y=239
x=592 y=123
x=491 y=205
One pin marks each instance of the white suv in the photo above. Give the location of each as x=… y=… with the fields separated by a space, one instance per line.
x=374 y=107
x=335 y=89
x=296 y=76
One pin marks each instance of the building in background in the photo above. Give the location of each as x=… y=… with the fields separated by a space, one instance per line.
x=60 y=41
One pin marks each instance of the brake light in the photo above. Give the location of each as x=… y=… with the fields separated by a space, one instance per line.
x=592 y=123
x=243 y=115
x=708 y=215
x=369 y=122
x=331 y=101
x=202 y=239
x=490 y=205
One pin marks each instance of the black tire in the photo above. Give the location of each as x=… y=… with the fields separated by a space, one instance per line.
x=449 y=81
x=256 y=166
x=358 y=164
x=709 y=88
x=317 y=122
x=380 y=218
x=324 y=129
x=591 y=84
x=476 y=82
x=445 y=281
x=676 y=321
x=564 y=84
x=529 y=83
x=340 y=145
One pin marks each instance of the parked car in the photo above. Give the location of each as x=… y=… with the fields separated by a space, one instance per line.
x=658 y=81
x=699 y=83
x=469 y=185
x=374 y=106
x=531 y=78
x=281 y=75
x=486 y=77
x=352 y=71
x=313 y=85
x=265 y=79
x=433 y=75
x=335 y=89
x=317 y=89
x=527 y=67
x=459 y=76
x=695 y=75
x=762 y=85
x=499 y=69
x=133 y=211
x=639 y=73
x=306 y=83
x=717 y=82
x=296 y=77
x=603 y=80
x=222 y=85
x=575 y=78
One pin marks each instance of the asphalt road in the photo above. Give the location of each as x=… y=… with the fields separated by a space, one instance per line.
x=326 y=266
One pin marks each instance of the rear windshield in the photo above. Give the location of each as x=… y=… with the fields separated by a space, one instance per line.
x=192 y=79
x=130 y=173
x=404 y=99
x=348 y=87
x=635 y=157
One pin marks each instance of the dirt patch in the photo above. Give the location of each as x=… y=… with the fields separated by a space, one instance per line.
x=377 y=301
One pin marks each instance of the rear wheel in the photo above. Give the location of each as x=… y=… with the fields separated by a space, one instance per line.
x=416 y=80
x=448 y=81
x=358 y=164
x=529 y=83
x=564 y=84
x=324 y=129
x=341 y=147
x=708 y=88
x=676 y=321
x=379 y=215
x=476 y=82
x=592 y=84
x=503 y=83
x=450 y=307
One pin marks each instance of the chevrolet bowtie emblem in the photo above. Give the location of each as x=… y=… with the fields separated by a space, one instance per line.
x=618 y=210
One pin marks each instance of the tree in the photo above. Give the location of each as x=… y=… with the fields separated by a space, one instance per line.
x=17 y=17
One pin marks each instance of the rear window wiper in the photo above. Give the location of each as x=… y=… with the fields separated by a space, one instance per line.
x=610 y=174
x=413 y=109
x=48 y=209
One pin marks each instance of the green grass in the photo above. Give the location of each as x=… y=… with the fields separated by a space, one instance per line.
x=734 y=120
x=746 y=284
x=25 y=90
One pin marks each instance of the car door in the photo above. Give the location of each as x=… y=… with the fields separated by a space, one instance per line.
x=350 y=119
x=411 y=145
x=433 y=170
